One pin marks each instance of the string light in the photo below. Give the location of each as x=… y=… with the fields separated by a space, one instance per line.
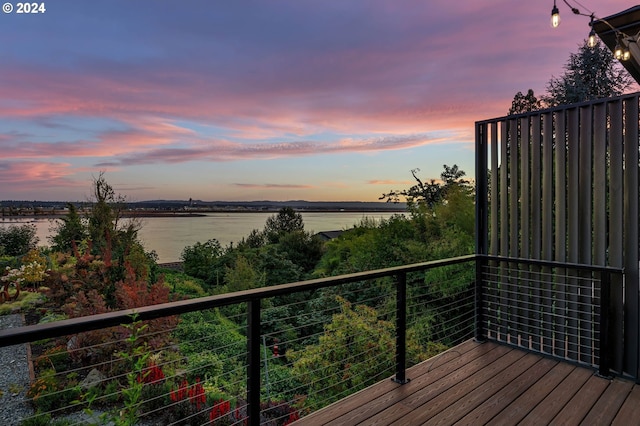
x=592 y=40
x=620 y=52
x=555 y=15
x=617 y=52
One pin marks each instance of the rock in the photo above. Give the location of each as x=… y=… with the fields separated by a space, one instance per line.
x=94 y=378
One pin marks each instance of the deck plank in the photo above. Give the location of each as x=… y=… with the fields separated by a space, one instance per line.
x=555 y=401
x=384 y=394
x=526 y=402
x=629 y=413
x=486 y=392
x=507 y=394
x=605 y=409
x=577 y=408
x=489 y=384
x=422 y=394
x=453 y=392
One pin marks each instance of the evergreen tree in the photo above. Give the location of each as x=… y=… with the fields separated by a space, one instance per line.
x=286 y=221
x=591 y=73
x=68 y=231
x=524 y=103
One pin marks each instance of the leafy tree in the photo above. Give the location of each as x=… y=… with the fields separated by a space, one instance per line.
x=278 y=268
x=524 y=103
x=110 y=236
x=356 y=350
x=69 y=231
x=255 y=239
x=591 y=73
x=199 y=259
x=17 y=240
x=431 y=192
x=243 y=276
x=302 y=248
x=287 y=220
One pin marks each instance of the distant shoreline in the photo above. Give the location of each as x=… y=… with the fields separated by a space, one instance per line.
x=200 y=213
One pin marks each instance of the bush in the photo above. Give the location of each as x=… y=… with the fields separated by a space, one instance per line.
x=17 y=240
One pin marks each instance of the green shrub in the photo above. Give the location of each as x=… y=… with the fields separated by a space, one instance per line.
x=184 y=285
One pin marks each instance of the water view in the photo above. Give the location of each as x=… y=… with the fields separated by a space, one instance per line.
x=168 y=236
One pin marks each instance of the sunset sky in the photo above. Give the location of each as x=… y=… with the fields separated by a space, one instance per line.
x=326 y=100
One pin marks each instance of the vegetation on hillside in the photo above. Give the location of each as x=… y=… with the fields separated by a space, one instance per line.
x=322 y=342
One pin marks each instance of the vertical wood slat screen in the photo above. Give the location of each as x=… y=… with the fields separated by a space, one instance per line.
x=564 y=187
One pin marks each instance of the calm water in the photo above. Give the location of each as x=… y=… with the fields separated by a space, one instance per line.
x=168 y=236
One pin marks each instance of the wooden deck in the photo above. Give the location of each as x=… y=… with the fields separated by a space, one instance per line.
x=487 y=383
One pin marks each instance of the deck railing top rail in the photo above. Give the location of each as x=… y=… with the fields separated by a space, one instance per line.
x=13 y=336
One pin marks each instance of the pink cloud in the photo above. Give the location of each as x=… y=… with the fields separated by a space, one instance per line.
x=389 y=182
x=30 y=174
x=271 y=186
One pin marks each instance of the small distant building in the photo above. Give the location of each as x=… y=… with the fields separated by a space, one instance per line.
x=328 y=235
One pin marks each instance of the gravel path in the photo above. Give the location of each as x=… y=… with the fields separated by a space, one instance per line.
x=14 y=377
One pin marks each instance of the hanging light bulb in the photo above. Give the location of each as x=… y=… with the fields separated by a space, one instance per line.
x=617 y=52
x=592 y=40
x=555 y=15
x=626 y=55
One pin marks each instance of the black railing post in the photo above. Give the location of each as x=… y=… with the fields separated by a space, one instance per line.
x=605 y=303
x=480 y=334
x=253 y=362
x=401 y=328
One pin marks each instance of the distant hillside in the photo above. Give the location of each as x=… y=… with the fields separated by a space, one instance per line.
x=276 y=205
x=175 y=205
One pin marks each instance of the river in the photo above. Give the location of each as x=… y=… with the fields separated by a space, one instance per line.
x=168 y=236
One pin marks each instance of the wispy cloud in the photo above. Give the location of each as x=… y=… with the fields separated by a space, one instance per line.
x=271 y=186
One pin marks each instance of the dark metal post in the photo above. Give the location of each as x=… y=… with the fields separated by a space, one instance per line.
x=605 y=303
x=482 y=189
x=479 y=320
x=253 y=367
x=401 y=328
x=482 y=219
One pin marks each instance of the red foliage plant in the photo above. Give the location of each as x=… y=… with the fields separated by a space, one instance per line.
x=151 y=375
x=220 y=409
x=195 y=393
x=180 y=393
x=134 y=293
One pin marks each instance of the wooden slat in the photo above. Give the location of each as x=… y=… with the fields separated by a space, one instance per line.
x=616 y=232
x=525 y=166
x=631 y=320
x=573 y=211
x=368 y=402
x=586 y=229
x=606 y=408
x=560 y=252
x=629 y=413
x=427 y=403
x=502 y=319
x=488 y=406
x=487 y=383
x=493 y=247
x=556 y=400
x=600 y=185
x=522 y=406
x=547 y=231
x=579 y=406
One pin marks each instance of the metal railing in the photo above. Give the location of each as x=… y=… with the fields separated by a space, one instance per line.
x=451 y=320
x=558 y=309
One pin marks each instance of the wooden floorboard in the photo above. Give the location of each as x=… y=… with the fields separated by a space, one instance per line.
x=488 y=383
